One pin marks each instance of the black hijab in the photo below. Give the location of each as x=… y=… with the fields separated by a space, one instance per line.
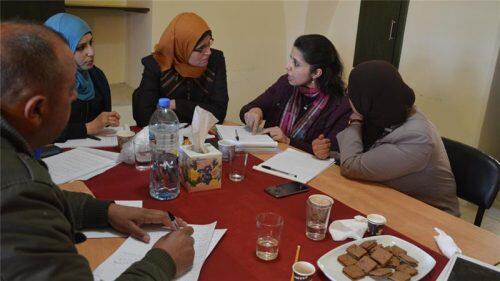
x=378 y=92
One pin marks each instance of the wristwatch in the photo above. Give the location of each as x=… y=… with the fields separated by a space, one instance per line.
x=354 y=121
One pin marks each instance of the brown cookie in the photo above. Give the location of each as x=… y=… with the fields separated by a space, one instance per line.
x=367 y=245
x=378 y=246
x=393 y=262
x=407 y=268
x=409 y=260
x=396 y=250
x=346 y=260
x=353 y=272
x=381 y=272
x=400 y=276
x=381 y=256
x=366 y=264
x=356 y=251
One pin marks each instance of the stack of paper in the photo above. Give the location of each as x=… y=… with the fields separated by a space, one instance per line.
x=79 y=164
x=102 y=142
x=246 y=140
x=294 y=165
x=132 y=250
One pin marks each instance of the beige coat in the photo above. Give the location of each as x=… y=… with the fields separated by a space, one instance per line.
x=411 y=159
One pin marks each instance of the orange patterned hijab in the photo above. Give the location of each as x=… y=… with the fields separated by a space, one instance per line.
x=178 y=41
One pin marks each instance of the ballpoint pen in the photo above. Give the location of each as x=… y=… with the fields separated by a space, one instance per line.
x=93 y=137
x=236 y=133
x=173 y=221
x=279 y=171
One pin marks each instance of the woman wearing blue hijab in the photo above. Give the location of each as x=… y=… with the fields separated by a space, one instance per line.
x=91 y=111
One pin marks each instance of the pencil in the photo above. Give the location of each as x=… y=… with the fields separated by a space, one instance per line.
x=296 y=259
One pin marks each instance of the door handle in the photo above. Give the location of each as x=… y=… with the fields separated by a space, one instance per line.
x=390 y=31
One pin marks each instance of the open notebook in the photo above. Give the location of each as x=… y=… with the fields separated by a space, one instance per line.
x=294 y=165
x=247 y=140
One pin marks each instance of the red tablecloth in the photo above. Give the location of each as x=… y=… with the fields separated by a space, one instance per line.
x=235 y=207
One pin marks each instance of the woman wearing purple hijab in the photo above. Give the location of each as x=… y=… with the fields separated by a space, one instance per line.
x=389 y=140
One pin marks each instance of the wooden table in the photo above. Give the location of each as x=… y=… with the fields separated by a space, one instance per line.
x=405 y=214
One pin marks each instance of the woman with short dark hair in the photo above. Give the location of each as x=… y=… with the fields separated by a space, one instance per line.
x=306 y=103
x=185 y=69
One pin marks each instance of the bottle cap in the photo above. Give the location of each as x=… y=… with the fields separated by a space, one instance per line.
x=164 y=102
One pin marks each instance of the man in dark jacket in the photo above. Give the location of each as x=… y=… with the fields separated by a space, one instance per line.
x=39 y=221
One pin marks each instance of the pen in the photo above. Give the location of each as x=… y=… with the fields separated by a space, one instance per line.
x=173 y=221
x=236 y=133
x=93 y=137
x=279 y=171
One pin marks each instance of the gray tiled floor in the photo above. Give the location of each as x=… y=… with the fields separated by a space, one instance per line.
x=122 y=102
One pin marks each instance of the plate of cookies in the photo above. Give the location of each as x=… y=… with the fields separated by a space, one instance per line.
x=383 y=257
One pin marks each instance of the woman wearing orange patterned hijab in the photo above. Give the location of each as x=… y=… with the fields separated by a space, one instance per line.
x=184 y=69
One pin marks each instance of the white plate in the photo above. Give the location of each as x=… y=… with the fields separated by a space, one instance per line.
x=333 y=269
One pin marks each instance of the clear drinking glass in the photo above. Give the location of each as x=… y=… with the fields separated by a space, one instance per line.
x=269 y=227
x=142 y=154
x=317 y=216
x=238 y=165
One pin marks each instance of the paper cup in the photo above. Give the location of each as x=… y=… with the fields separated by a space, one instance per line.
x=123 y=137
x=375 y=224
x=303 y=271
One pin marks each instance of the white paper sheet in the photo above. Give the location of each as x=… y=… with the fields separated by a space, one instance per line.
x=76 y=163
x=108 y=232
x=304 y=165
x=246 y=138
x=133 y=250
x=104 y=142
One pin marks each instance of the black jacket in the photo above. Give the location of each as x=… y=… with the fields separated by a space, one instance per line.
x=83 y=112
x=187 y=95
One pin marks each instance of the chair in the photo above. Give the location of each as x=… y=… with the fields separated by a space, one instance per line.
x=476 y=175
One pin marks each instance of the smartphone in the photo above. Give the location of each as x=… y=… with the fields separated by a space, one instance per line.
x=282 y=190
x=50 y=150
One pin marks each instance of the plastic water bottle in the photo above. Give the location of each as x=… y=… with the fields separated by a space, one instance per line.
x=164 y=142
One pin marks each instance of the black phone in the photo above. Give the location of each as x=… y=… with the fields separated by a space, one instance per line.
x=50 y=150
x=282 y=190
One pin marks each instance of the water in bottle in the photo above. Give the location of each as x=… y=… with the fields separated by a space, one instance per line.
x=164 y=140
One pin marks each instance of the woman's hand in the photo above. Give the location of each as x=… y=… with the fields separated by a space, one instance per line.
x=276 y=134
x=104 y=119
x=253 y=117
x=321 y=147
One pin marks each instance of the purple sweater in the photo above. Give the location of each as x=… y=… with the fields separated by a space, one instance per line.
x=332 y=120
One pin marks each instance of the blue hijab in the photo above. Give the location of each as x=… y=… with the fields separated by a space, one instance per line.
x=73 y=29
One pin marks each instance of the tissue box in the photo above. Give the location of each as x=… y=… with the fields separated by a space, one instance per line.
x=200 y=171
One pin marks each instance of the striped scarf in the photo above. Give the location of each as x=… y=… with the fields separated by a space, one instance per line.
x=170 y=80
x=297 y=129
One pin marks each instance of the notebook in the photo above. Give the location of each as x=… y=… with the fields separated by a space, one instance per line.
x=246 y=140
x=294 y=165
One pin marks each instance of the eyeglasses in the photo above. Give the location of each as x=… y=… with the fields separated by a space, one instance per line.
x=204 y=47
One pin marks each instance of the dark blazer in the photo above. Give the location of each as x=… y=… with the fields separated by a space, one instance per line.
x=187 y=95
x=331 y=120
x=83 y=112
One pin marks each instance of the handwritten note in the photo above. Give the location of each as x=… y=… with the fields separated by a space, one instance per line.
x=133 y=250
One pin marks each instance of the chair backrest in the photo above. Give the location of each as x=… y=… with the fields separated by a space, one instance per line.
x=476 y=173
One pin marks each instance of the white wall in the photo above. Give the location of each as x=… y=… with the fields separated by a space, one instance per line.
x=109 y=32
x=138 y=42
x=448 y=58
